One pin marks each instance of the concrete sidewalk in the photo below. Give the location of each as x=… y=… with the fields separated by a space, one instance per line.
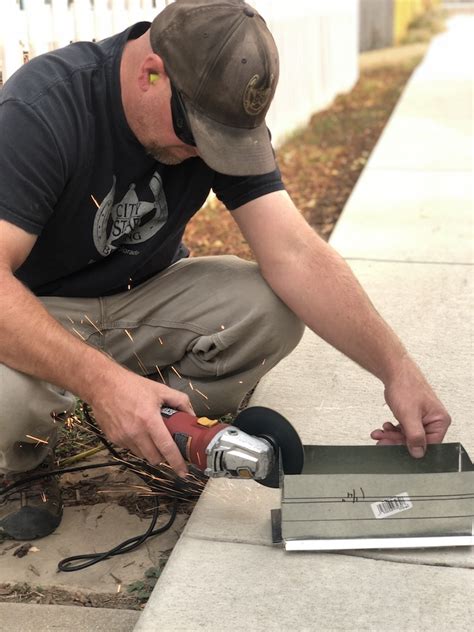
x=25 y=617
x=407 y=233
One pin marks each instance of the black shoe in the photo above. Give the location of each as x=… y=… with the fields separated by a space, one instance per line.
x=32 y=510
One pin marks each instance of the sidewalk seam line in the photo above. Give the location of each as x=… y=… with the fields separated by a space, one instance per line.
x=340 y=554
x=210 y=539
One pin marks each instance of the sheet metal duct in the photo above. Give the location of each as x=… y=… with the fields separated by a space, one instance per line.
x=363 y=497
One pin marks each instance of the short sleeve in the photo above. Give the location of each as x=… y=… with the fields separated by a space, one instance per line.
x=233 y=191
x=32 y=170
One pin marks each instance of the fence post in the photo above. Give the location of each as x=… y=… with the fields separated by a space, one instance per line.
x=12 y=47
x=135 y=11
x=39 y=27
x=102 y=20
x=148 y=10
x=61 y=20
x=119 y=16
x=83 y=20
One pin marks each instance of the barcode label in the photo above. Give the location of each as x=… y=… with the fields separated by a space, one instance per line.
x=390 y=506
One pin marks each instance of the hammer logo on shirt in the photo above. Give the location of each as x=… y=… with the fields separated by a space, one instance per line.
x=130 y=221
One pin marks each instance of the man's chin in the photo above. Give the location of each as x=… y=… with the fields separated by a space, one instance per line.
x=166 y=156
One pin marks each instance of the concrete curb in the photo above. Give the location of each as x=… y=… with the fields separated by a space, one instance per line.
x=25 y=617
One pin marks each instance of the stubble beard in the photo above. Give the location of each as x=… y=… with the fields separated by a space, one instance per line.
x=163 y=155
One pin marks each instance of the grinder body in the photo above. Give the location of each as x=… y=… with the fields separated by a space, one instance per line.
x=249 y=449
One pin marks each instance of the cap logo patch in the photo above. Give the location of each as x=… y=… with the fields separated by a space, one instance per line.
x=255 y=99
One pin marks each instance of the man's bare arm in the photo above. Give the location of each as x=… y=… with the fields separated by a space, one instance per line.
x=317 y=284
x=126 y=406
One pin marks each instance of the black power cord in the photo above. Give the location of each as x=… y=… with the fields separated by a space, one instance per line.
x=68 y=564
x=140 y=468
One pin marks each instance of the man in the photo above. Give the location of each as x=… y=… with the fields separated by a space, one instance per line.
x=106 y=151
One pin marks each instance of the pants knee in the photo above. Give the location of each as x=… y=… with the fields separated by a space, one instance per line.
x=278 y=329
x=263 y=328
x=26 y=407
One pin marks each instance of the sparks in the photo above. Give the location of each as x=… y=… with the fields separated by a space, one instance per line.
x=201 y=393
x=80 y=335
x=160 y=340
x=264 y=360
x=37 y=439
x=175 y=371
x=128 y=334
x=43 y=496
x=140 y=364
x=93 y=324
x=222 y=327
x=69 y=422
x=95 y=201
x=160 y=373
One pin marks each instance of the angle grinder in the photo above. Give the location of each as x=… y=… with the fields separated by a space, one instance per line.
x=249 y=448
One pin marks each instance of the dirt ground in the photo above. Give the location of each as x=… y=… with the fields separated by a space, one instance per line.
x=102 y=508
x=320 y=166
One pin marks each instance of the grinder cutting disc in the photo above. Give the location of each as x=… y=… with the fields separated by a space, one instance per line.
x=268 y=424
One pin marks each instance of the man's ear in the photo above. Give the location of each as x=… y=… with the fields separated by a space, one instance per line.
x=152 y=70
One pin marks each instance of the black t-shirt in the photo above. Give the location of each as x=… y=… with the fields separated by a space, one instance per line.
x=107 y=215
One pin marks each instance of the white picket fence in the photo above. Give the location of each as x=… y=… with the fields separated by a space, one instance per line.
x=317 y=41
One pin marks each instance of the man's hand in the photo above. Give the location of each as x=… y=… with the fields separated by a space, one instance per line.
x=129 y=415
x=422 y=417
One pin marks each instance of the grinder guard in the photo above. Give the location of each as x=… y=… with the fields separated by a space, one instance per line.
x=269 y=425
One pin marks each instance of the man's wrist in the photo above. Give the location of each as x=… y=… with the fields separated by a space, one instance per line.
x=395 y=366
x=404 y=369
x=99 y=374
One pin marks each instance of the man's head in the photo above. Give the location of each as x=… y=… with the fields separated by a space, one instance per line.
x=222 y=64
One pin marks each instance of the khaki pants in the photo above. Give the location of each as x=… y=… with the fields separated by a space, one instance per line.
x=210 y=324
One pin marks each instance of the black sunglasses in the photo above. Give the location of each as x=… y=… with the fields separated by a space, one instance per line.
x=181 y=125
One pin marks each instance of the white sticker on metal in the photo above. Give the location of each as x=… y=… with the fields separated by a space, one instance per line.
x=390 y=506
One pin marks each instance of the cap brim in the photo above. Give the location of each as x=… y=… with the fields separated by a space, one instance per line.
x=231 y=150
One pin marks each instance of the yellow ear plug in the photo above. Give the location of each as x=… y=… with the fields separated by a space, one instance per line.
x=153 y=78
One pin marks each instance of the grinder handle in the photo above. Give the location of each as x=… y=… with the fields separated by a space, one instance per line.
x=191 y=434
